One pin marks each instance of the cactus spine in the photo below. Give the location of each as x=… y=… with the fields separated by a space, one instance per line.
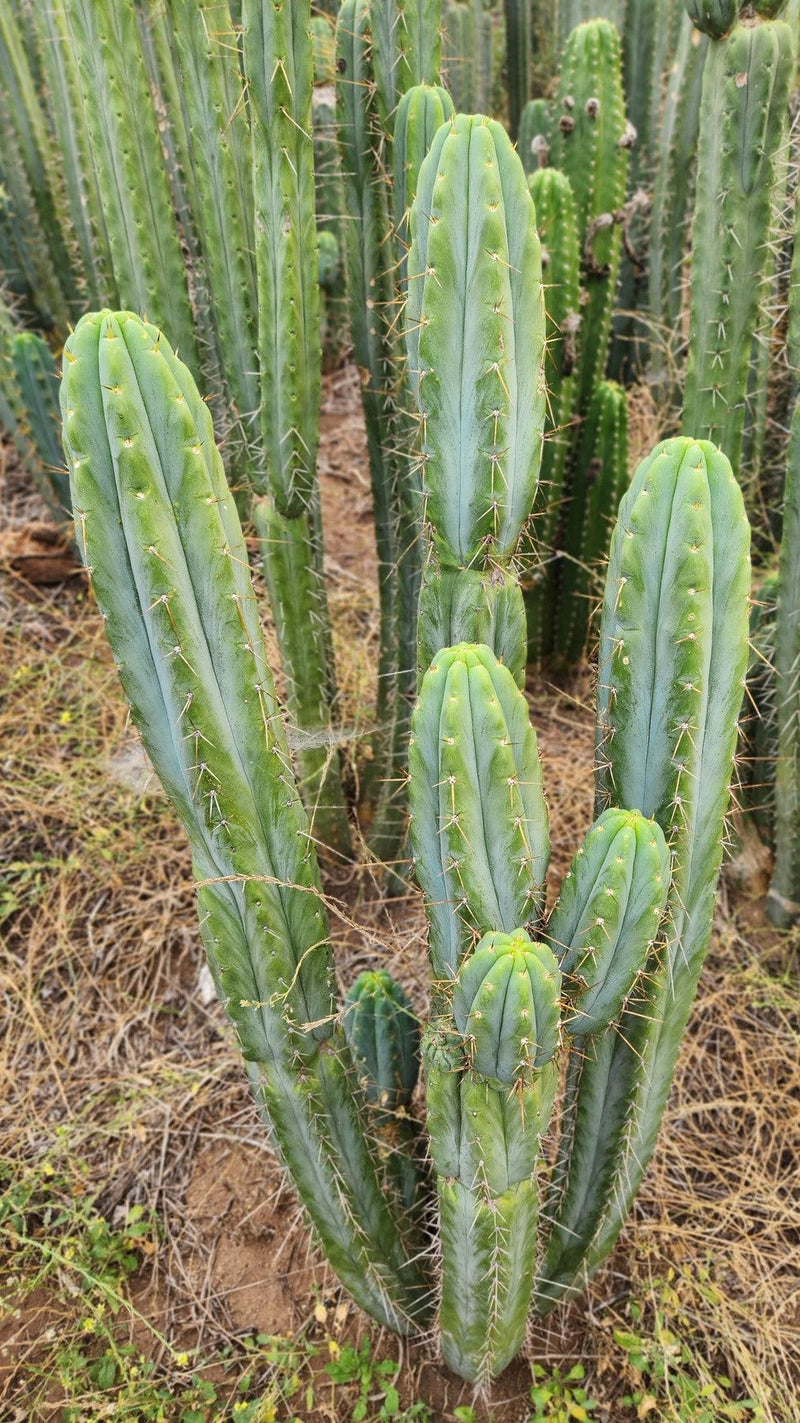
x=279 y=71
x=673 y=657
x=180 y=614
x=475 y=338
x=742 y=128
x=149 y=271
x=783 y=902
x=591 y=144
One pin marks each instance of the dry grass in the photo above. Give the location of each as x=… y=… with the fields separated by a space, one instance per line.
x=122 y=1082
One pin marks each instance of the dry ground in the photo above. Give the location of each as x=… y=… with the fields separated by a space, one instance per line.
x=150 y=1250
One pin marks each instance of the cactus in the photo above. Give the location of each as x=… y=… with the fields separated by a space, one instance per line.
x=222 y=202
x=572 y=13
x=62 y=82
x=480 y=837
x=278 y=67
x=421 y=111
x=407 y=50
x=159 y=529
x=384 y=1036
x=742 y=128
x=149 y=272
x=279 y=73
x=591 y=143
x=783 y=901
x=479 y=825
x=677 y=146
x=37 y=379
x=27 y=264
x=758 y=730
x=535 y=135
x=462 y=603
x=506 y=1007
x=477 y=380
x=713 y=17
x=673 y=657
x=26 y=129
x=371 y=297
x=519 y=58
x=597 y=479
x=176 y=595
x=557 y=224
x=607 y=916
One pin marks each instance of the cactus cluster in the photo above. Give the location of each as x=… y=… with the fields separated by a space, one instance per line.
x=159 y=529
x=259 y=188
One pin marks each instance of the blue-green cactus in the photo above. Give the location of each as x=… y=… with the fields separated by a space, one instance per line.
x=159 y=529
x=506 y=1005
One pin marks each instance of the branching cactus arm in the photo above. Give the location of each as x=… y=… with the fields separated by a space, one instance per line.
x=673 y=657
x=160 y=532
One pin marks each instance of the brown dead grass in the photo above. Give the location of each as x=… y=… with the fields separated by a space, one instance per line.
x=109 y=1055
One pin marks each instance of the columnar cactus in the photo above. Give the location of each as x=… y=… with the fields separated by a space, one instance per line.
x=743 y=122
x=368 y=278
x=674 y=167
x=598 y=477
x=279 y=71
x=475 y=335
x=222 y=187
x=40 y=429
x=148 y=267
x=159 y=528
x=490 y=1085
x=480 y=839
x=591 y=143
x=713 y=17
x=535 y=135
x=62 y=81
x=672 y=662
x=26 y=132
x=519 y=58
x=384 y=1036
x=407 y=49
x=557 y=225
x=783 y=903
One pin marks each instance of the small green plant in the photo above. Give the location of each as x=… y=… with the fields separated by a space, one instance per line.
x=669 y=1381
x=560 y=1397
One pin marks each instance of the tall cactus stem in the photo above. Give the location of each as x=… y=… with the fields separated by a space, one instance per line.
x=180 y=614
x=783 y=901
x=149 y=270
x=742 y=129
x=591 y=144
x=673 y=658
